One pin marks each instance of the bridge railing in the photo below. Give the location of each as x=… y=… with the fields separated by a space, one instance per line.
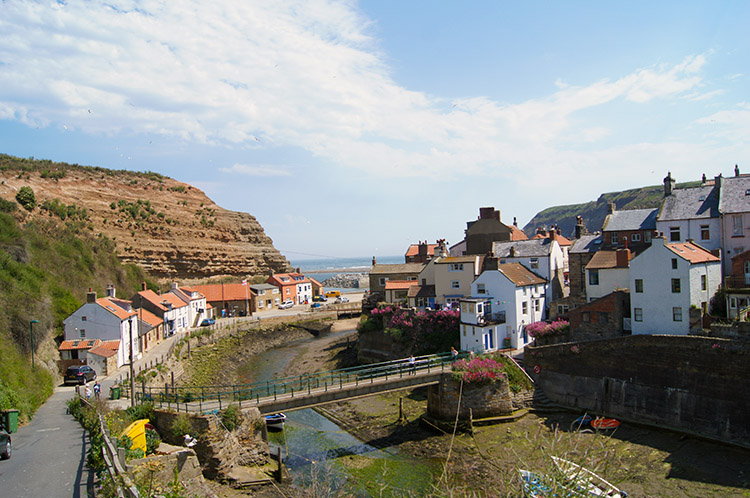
x=193 y=398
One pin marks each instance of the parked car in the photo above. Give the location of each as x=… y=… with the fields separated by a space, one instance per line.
x=5 y=449
x=288 y=303
x=316 y=305
x=79 y=374
x=320 y=298
x=342 y=299
x=333 y=293
x=207 y=321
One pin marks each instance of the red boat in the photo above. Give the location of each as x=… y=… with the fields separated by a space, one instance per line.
x=605 y=423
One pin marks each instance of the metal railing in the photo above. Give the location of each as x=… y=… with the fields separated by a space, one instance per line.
x=209 y=398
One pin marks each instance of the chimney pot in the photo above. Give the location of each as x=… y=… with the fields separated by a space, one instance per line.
x=736 y=170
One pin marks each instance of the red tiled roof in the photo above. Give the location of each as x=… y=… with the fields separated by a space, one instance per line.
x=78 y=344
x=146 y=316
x=563 y=241
x=103 y=351
x=400 y=284
x=113 y=308
x=114 y=345
x=275 y=279
x=225 y=292
x=414 y=250
x=691 y=252
x=153 y=298
x=517 y=234
x=175 y=301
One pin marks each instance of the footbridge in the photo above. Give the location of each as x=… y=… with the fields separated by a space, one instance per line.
x=304 y=391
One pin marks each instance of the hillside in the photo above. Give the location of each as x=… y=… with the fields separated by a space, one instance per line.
x=594 y=212
x=46 y=267
x=168 y=228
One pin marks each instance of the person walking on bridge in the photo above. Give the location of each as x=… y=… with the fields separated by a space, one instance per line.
x=412 y=365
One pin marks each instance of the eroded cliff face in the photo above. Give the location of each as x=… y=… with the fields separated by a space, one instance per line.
x=171 y=229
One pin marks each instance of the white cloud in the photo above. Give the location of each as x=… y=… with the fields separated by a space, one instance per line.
x=256 y=170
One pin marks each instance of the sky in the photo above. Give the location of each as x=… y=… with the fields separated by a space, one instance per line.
x=357 y=128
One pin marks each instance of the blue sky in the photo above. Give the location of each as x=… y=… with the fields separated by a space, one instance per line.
x=356 y=128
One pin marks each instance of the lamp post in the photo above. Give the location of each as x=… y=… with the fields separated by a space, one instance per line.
x=31 y=334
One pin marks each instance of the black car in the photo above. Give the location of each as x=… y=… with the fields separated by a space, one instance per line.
x=79 y=374
x=4 y=443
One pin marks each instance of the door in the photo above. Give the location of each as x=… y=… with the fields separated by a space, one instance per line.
x=747 y=272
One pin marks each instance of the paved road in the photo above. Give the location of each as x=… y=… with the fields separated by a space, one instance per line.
x=49 y=455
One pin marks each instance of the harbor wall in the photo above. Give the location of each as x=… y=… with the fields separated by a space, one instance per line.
x=691 y=384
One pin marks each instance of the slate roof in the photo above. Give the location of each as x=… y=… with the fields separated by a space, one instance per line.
x=692 y=252
x=586 y=244
x=520 y=275
x=631 y=219
x=603 y=260
x=530 y=248
x=690 y=203
x=397 y=268
x=735 y=195
x=421 y=291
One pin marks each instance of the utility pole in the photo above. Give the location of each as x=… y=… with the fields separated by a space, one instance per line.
x=132 y=376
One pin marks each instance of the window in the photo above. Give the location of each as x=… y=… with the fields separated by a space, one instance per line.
x=677 y=314
x=524 y=291
x=411 y=278
x=647 y=237
x=705 y=232
x=615 y=238
x=674 y=263
x=455 y=284
x=747 y=267
x=585 y=316
x=525 y=308
x=456 y=267
x=481 y=289
x=636 y=237
x=639 y=285
x=638 y=314
x=463 y=307
x=562 y=309
x=676 y=285
x=703 y=282
x=534 y=263
x=83 y=318
x=674 y=234
x=383 y=280
x=737 y=230
x=536 y=304
x=593 y=277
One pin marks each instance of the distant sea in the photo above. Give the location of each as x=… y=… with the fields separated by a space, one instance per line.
x=317 y=267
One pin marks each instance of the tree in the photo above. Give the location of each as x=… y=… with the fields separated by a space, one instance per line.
x=26 y=198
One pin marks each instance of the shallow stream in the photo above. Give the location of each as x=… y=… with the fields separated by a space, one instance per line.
x=319 y=454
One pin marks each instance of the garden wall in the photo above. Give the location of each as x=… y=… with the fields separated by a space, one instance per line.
x=692 y=384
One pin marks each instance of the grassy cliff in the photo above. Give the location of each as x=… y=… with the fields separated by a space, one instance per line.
x=594 y=212
x=46 y=268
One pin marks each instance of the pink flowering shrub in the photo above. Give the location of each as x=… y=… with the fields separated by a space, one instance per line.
x=426 y=331
x=544 y=329
x=480 y=370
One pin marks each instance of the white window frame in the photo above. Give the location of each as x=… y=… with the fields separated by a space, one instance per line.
x=524 y=308
x=456 y=267
x=676 y=314
x=638 y=314
x=705 y=232
x=737 y=226
x=636 y=237
x=481 y=289
x=674 y=234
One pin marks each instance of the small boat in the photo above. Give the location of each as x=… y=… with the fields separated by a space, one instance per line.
x=534 y=485
x=275 y=421
x=583 y=482
x=605 y=423
x=137 y=433
x=582 y=421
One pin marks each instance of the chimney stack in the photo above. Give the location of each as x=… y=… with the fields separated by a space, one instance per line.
x=611 y=207
x=668 y=184
x=111 y=291
x=623 y=258
x=91 y=296
x=143 y=286
x=718 y=181
x=512 y=252
x=703 y=180
x=552 y=234
x=736 y=170
x=374 y=261
x=580 y=228
x=515 y=223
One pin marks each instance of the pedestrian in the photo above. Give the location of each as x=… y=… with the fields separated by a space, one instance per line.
x=97 y=389
x=88 y=392
x=412 y=365
x=454 y=354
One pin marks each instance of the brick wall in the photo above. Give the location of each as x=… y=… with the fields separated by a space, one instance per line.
x=600 y=319
x=692 y=384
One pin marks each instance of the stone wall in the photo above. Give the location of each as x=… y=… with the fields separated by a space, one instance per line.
x=692 y=384
x=483 y=400
x=376 y=346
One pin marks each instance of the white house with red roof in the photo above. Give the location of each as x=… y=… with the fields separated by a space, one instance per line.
x=294 y=286
x=504 y=299
x=177 y=317
x=108 y=319
x=149 y=300
x=195 y=301
x=666 y=280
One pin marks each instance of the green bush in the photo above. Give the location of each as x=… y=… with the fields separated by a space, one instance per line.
x=231 y=417
x=7 y=206
x=26 y=198
x=140 y=412
x=181 y=425
x=152 y=441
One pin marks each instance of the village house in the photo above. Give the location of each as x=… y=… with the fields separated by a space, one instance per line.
x=292 y=286
x=691 y=213
x=666 y=280
x=453 y=277
x=77 y=349
x=230 y=299
x=636 y=226
x=734 y=206
x=482 y=232
x=103 y=357
x=607 y=272
x=544 y=257
x=396 y=291
x=420 y=253
x=108 y=319
x=579 y=255
x=738 y=286
x=504 y=299
x=380 y=274
x=264 y=297
x=195 y=302
x=149 y=300
x=150 y=329
x=602 y=318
